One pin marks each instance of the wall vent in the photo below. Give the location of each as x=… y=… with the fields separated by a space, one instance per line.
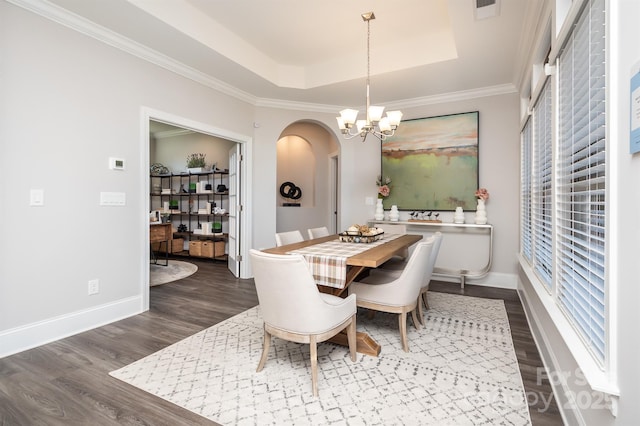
x=486 y=8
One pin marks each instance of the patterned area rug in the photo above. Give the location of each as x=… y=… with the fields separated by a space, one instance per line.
x=461 y=370
x=176 y=270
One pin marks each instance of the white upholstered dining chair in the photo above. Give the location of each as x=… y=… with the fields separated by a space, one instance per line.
x=396 y=268
x=322 y=231
x=290 y=237
x=394 y=228
x=293 y=308
x=396 y=294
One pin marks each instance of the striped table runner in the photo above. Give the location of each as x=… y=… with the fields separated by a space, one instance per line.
x=328 y=261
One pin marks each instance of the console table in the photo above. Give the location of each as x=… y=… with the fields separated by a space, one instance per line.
x=458 y=228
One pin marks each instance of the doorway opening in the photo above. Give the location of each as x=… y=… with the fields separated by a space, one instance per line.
x=179 y=138
x=307 y=161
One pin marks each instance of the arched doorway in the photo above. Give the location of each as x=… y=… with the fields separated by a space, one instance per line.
x=307 y=156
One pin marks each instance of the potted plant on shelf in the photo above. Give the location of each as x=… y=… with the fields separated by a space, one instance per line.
x=196 y=163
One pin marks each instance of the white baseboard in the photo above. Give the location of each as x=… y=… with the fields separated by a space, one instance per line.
x=39 y=333
x=492 y=279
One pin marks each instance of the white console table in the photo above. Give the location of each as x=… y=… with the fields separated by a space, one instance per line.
x=460 y=228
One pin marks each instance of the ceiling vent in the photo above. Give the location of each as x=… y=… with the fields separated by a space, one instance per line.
x=483 y=9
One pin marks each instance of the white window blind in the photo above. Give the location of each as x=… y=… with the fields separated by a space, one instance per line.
x=580 y=178
x=525 y=192
x=541 y=195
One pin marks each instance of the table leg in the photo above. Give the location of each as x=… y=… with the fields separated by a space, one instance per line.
x=364 y=343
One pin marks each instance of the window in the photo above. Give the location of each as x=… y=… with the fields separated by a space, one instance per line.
x=541 y=201
x=563 y=190
x=581 y=179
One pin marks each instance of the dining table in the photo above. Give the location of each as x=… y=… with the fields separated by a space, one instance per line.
x=336 y=264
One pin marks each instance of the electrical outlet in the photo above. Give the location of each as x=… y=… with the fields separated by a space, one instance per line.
x=94 y=287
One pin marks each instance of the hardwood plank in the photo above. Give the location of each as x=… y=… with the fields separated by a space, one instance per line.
x=67 y=382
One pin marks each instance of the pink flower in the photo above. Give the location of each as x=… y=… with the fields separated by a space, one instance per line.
x=384 y=190
x=482 y=194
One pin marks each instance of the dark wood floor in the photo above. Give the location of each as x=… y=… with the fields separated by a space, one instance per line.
x=67 y=383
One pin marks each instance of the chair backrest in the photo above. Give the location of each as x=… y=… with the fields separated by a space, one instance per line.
x=290 y=237
x=288 y=295
x=437 y=240
x=390 y=228
x=406 y=288
x=322 y=231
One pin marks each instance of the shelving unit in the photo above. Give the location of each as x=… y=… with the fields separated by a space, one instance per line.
x=190 y=199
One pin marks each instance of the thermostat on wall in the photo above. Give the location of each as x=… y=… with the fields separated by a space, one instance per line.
x=116 y=163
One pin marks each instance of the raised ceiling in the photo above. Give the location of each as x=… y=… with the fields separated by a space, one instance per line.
x=315 y=52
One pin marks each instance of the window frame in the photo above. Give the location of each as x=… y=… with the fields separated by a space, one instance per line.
x=601 y=376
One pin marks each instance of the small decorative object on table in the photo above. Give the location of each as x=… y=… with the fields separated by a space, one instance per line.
x=379 y=215
x=458 y=216
x=394 y=214
x=361 y=234
x=419 y=217
x=481 y=213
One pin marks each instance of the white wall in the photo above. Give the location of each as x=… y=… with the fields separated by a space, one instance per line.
x=68 y=103
x=625 y=33
x=172 y=151
x=499 y=153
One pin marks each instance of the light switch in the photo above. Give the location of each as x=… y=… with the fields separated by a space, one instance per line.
x=37 y=197
x=368 y=201
x=112 y=199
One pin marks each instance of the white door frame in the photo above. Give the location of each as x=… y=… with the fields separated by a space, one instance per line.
x=245 y=192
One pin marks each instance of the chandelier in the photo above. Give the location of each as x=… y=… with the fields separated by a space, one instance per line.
x=374 y=123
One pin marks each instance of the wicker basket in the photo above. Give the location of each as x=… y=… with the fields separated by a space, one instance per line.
x=357 y=237
x=213 y=249
x=195 y=248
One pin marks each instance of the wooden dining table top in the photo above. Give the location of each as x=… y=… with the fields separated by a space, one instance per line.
x=371 y=258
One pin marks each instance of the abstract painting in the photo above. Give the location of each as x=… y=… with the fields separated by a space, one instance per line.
x=433 y=163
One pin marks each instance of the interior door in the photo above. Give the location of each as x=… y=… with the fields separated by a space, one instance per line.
x=235 y=210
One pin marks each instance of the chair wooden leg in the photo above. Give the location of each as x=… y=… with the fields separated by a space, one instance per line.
x=351 y=337
x=314 y=365
x=424 y=297
x=417 y=324
x=265 y=350
x=403 y=331
x=419 y=307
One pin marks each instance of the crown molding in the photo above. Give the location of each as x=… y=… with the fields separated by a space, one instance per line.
x=82 y=25
x=463 y=95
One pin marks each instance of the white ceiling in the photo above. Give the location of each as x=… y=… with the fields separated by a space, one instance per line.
x=315 y=52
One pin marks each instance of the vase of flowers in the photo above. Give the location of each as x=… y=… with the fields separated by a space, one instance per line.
x=383 y=191
x=384 y=186
x=481 y=212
